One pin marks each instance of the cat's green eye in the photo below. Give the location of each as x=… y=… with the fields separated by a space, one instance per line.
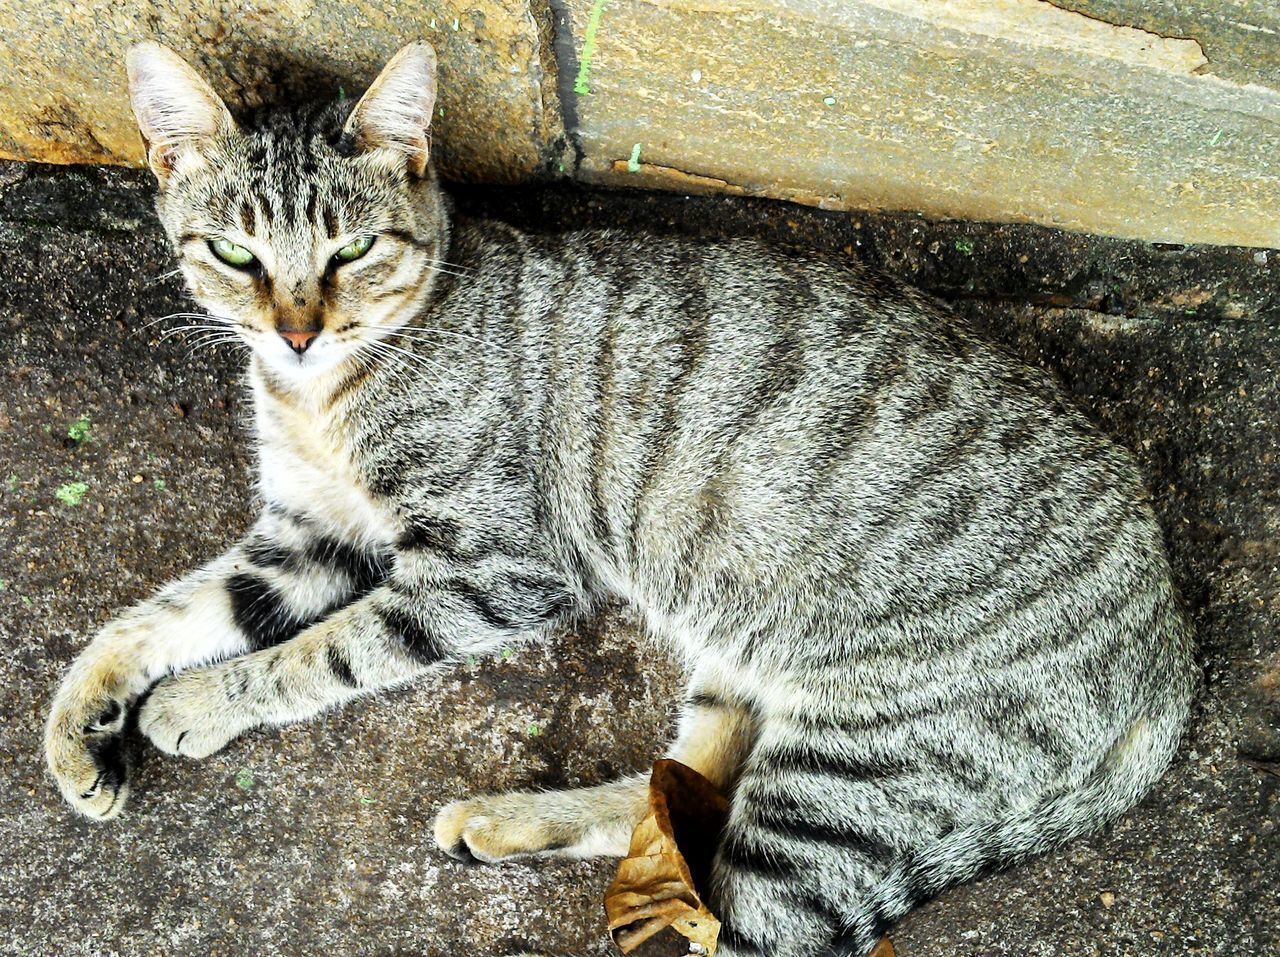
x=231 y=254
x=354 y=249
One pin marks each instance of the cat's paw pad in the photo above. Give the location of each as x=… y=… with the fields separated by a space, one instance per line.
x=86 y=755
x=490 y=829
x=187 y=715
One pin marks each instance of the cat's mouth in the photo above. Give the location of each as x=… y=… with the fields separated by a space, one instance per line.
x=303 y=353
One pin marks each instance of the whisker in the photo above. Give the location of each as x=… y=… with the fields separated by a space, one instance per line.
x=214 y=345
x=172 y=315
x=462 y=390
x=186 y=315
x=163 y=276
x=447 y=272
x=403 y=330
x=445 y=262
x=214 y=338
x=179 y=330
x=418 y=358
x=393 y=352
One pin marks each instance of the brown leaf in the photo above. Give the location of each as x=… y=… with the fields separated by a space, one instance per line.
x=883 y=949
x=658 y=885
x=658 y=891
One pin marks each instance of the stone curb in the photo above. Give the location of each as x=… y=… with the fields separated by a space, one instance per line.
x=1142 y=119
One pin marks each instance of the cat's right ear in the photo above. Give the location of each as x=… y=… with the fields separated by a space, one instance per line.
x=177 y=111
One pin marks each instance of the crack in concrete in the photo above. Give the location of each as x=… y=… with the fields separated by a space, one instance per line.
x=1043 y=23
x=565 y=54
x=1128 y=26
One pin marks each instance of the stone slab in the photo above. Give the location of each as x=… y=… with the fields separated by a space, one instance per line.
x=1002 y=110
x=1155 y=120
x=63 y=95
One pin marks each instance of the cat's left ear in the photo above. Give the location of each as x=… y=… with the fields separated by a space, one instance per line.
x=395 y=112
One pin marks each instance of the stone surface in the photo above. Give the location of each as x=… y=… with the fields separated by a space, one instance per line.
x=1157 y=120
x=64 y=95
x=323 y=845
x=1016 y=110
x=1238 y=37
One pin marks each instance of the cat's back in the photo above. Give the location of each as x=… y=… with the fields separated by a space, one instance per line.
x=788 y=382
x=731 y=425
x=810 y=370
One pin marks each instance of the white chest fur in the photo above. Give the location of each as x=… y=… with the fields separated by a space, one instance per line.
x=306 y=466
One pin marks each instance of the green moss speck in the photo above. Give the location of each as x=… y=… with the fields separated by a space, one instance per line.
x=159 y=485
x=78 y=431
x=534 y=731
x=72 y=493
x=964 y=246
x=508 y=653
x=244 y=779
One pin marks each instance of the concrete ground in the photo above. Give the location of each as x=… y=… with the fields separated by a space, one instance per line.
x=122 y=463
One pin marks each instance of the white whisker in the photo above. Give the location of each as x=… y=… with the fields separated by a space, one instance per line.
x=224 y=320
x=447 y=272
x=164 y=275
x=179 y=330
x=394 y=352
x=405 y=330
x=444 y=262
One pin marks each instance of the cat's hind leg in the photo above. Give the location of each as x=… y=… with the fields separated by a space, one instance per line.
x=818 y=824
x=835 y=833
x=596 y=821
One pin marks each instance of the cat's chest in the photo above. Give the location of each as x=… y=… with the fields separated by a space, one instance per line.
x=306 y=465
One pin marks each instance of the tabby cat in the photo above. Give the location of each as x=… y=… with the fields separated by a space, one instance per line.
x=925 y=610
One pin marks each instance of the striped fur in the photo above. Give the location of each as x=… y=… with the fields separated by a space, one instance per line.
x=925 y=608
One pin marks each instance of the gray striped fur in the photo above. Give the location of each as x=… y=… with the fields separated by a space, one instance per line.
x=924 y=606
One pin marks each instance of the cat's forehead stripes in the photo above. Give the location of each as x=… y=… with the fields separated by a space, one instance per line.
x=288 y=178
x=248 y=218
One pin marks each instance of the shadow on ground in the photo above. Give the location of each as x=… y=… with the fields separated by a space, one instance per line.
x=124 y=464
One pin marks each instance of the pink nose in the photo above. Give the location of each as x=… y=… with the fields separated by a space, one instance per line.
x=298 y=341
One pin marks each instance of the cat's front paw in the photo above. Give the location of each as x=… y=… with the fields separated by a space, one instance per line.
x=189 y=714
x=84 y=748
x=495 y=827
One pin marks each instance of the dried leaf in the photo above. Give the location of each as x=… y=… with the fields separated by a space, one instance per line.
x=658 y=891
x=658 y=885
x=883 y=949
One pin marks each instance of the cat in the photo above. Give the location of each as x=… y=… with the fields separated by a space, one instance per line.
x=926 y=613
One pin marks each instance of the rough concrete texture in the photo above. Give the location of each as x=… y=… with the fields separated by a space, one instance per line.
x=1157 y=120
x=315 y=839
x=63 y=94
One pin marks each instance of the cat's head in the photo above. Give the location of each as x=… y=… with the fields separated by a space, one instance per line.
x=311 y=232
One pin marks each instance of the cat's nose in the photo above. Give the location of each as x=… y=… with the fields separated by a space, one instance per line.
x=299 y=341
